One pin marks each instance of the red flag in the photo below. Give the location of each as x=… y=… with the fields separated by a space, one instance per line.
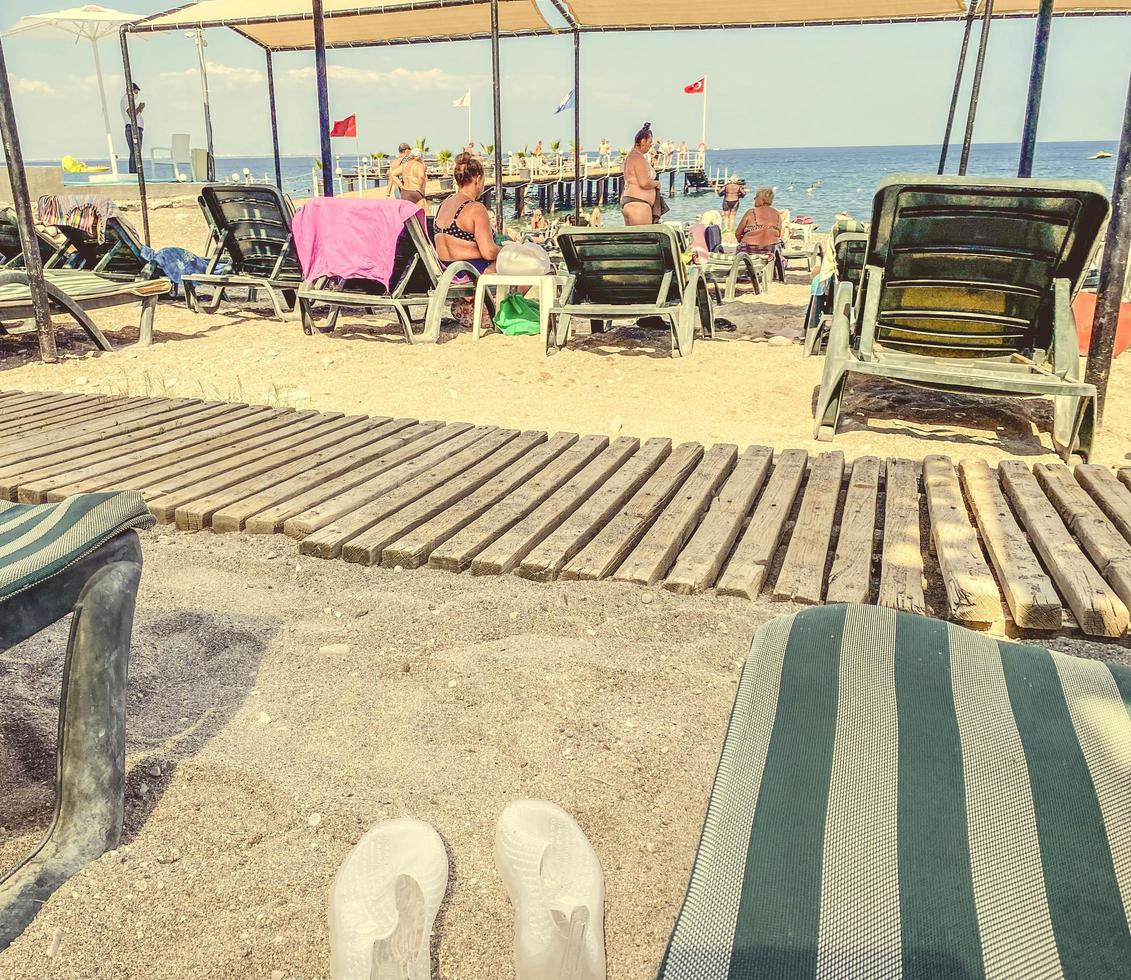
x=696 y=88
x=345 y=127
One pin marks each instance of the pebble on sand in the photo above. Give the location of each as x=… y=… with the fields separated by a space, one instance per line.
x=334 y=650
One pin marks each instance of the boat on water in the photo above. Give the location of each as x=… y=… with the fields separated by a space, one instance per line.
x=1102 y=155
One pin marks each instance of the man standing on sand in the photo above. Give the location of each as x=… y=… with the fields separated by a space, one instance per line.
x=130 y=122
x=413 y=178
x=396 y=169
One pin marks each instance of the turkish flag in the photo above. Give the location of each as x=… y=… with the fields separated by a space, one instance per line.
x=345 y=127
x=696 y=88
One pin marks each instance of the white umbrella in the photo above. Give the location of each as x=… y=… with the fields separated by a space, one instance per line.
x=92 y=23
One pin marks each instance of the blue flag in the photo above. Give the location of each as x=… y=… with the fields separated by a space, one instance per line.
x=567 y=103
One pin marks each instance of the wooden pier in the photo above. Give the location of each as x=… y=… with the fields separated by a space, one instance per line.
x=1036 y=549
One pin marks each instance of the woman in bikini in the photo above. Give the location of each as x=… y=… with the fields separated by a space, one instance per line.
x=463 y=228
x=641 y=188
x=760 y=230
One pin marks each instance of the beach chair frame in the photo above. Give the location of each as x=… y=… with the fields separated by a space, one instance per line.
x=681 y=298
x=731 y=268
x=945 y=294
x=818 y=315
x=118 y=257
x=100 y=590
x=420 y=280
x=247 y=243
x=803 y=248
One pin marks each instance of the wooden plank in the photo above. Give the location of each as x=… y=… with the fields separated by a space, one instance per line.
x=1098 y=610
x=1102 y=542
x=82 y=475
x=850 y=578
x=457 y=552
x=406 y=444
x=368 y=548
x=971 y=591
x=43 y=418
x=305 y=475
x=164 y=500
x=901 y=562
x=38 y=403
x=802 y=573
x=584 y=524
x=416 y=459
x=1029 y=592
x=747 y=569
x=413 y=549
x=480 y=443
x=1113 y=498
x=657 y=550
x=507 y=552
x=698 y=566
x=195 y=513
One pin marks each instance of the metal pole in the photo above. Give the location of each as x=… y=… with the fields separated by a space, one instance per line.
x=959 y=72
x=274 y=121
x=134 y=136
x=1036 y=84
x=323 y=98
x=983 y=43
x=577 y=125
x=105 y=111
x=496 y=97
x=17 y=176
x=1113 y=269
x=201 y=44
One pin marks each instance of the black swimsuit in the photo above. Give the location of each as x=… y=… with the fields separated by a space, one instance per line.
x=454 y=230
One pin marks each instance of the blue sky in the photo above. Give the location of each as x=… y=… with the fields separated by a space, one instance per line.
x=828 y=86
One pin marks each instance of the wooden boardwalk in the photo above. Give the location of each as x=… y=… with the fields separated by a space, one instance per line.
x=1042 y=549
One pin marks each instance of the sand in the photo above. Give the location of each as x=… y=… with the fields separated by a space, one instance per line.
x=256 y=758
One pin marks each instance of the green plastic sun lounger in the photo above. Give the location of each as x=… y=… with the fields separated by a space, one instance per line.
x=419 y=281
x=117 y=257
x=81 y=557
x=901 y=797
x=76 y=293
x=730 y=268
x=800 y=246
x=12 y=249
x=848 y=248
x=968 y=287
x=626 y=274
x=253 y=225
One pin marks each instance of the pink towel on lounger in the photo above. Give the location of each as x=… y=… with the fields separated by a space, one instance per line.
x=350 y=238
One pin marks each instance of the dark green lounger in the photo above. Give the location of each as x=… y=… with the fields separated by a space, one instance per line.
x=898 y=797
x=12 y=249
x=118 y=257
x=629 y=273
x=968 y=287
x=79 y=556
x=848 y=248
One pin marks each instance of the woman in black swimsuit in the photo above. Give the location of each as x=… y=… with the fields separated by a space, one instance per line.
x=463 y=227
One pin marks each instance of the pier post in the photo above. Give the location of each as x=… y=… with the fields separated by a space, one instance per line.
x=976 y=86
x=33 y=260
x=1036 y=84
x=958 y=73
x=1113 y=270
x=519 y=201
x=274 y=122
x=671 y=183
x=323 y=98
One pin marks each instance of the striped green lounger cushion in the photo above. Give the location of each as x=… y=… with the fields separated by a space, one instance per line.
x=902 y=798
x=38 y=541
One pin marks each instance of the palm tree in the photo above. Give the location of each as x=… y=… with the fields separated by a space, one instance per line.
x=422 y=145
x=489 y=149
x=444 y=158
x=555 y=146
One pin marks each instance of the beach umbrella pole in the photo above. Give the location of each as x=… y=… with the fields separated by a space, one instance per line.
x=496 y=101
x=577 y=123
x=133 y=135
x=1113 y=270
x=199 y=38
x=274 y=122
x=976 y=86
x=323 y=98
x=958 y=73
x=105 y=111
x=1036 y=84
x=33 y=261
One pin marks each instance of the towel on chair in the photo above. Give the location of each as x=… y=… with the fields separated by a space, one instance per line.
x=349 y=238
x=87 y=212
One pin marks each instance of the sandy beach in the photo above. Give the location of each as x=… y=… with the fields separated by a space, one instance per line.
x=280 y=705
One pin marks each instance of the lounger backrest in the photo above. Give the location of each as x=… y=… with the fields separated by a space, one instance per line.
x=969 y=263
x=849 y=253
x=414 y=243
x=10 y=245
x=255 y=223
x=622 y=266
x=119 y=256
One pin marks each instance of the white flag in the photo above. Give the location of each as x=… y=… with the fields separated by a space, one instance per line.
x=464 y=101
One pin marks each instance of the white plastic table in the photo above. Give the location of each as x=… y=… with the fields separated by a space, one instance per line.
x=547 y=293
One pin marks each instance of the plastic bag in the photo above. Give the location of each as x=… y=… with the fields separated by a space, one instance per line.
x=523 y=259
x=517 y=316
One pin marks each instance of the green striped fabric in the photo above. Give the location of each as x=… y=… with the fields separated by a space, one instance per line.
x=899 y=797
x=39 y=541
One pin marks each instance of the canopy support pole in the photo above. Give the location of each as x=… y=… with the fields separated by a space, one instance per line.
x=959 y=72
x=132 y=102
x=496 y=101
x=274 y=121
x=1113 y=270
x=323 y=99
x=577 y=125
x=33 y=261
x=975 y=88
x=1036 y=84
x=105 y=111
x=200 y=45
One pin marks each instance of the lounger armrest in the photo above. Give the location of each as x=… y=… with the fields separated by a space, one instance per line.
x=1065 y=341
x=871 y=285
x=665 y=286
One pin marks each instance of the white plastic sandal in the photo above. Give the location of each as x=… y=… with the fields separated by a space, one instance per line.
x=554 y=880
x=384 y=901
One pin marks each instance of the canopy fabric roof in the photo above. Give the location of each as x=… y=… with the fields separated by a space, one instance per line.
x=287 y=25
x=681 y=15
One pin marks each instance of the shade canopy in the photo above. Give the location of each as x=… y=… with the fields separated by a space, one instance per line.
x=89 y=21
x=287 y=25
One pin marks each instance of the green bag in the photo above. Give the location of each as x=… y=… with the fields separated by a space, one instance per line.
x=517 y=316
